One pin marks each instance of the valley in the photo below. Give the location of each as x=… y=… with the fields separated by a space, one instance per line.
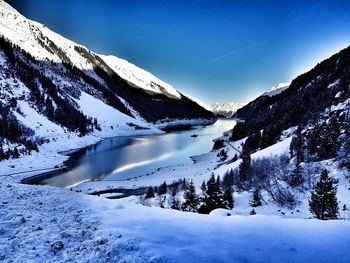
x=102 y=161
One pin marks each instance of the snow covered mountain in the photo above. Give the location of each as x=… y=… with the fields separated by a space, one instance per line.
x=52 y=86
x=317 y=102
x=226 y=109
x=276 y=89
x=139 y=77
x=44 y=44
x=263 y=100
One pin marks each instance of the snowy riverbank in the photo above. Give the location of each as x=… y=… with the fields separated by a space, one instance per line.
x=51 y=155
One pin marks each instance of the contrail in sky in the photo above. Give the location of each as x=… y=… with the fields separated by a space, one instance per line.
x=236 y=51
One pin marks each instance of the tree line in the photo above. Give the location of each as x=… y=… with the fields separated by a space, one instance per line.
x=214 y=194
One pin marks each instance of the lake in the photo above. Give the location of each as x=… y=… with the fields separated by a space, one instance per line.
x=120 y=158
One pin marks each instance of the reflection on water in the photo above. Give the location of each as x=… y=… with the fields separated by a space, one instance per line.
x=120 y=158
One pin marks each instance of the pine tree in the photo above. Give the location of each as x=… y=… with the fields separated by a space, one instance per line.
x=269 y=135
x=228 y=198
x=204 y=187
x=203 y=199
x=297 y=146
x=344 y=211
x=323 y=203
x=162 y=189
x=328 y=144
x=228 y=180
x=256 y=199
x=150 y=193
x=245 y=165
x=222 y=155
x=2 y=153
x=175 y=203
x=175 y=189
x=213 y=197
x=15 y=153
x=296 y=177
x=184 y=184
x=191 y=202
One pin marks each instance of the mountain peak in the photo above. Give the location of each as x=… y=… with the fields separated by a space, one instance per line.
x=226 y=109
x=276 y=89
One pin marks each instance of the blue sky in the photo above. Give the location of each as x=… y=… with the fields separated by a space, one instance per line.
x=214 y=50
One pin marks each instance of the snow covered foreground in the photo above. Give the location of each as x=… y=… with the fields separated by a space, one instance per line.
x=45 y=224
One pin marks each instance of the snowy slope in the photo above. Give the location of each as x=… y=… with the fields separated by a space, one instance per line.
x=44 y=224
x=226 y=109
x=187 y=237
x=276 y=89
x=139 y=77
x=28 y=35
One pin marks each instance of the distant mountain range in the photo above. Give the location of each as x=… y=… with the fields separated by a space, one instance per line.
x=226 y=109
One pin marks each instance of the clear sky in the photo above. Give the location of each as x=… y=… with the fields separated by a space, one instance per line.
x=217 y=50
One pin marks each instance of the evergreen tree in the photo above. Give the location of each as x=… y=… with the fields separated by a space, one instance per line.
x=344 y=210
x=150 y=193
x=328 y=139
x=213 y=198
x=162 y=189
x=228 y=180
x=174 y=189
x=15 y=153
x=245 y=165
x=2 y=153
x=203 y=199
x=255 y=202
x=218 y=144
x=269 y=135
x=191 y=202
x=175 y=203
x=184 y=184
x=228 y=198
x=204 y=187
x=297 y=146
x=49 y=107
x=296 y=177
x=222 y=155
x=344 y=152
x=323 y=203
x=253 y=141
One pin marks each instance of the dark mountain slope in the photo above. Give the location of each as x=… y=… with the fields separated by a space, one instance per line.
x=308 y=95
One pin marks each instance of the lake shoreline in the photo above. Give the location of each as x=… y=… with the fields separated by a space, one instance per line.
x=26 y=175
